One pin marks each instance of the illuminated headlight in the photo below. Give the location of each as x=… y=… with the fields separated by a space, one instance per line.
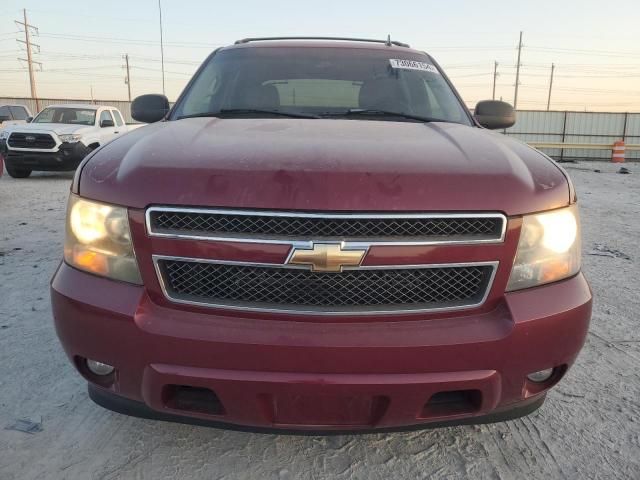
x=98 y=240
x=549 y=248
x=71 y=138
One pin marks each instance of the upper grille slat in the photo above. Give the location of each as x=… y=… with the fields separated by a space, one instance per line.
x=234 y=224
x=41 y=141
x=352 y=291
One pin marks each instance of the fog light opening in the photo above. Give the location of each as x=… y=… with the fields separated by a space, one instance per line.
x=99 y=368
x=540 y=381
x=541 y=376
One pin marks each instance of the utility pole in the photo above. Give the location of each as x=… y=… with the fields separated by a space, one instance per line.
x=495 y=75
x=550 y=86
x=127 y=79
x=161 y=44
x=29 y=59
x=515 y=96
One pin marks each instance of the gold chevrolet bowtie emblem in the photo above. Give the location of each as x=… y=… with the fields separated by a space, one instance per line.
x=327 y=257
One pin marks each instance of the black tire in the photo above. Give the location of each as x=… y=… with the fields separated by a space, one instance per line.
x=17 y=172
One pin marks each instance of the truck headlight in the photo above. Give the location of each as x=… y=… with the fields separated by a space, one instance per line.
x=4 y=134
x=98 y=240
x=70 y=138
x=549 y=248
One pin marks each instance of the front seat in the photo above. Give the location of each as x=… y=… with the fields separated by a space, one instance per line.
x=263 y=97
x=383 y=94
x=69 y=116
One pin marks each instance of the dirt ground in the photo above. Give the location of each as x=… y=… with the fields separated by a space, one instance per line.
x=588 y=428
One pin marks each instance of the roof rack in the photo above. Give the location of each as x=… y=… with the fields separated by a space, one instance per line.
x=387 y=42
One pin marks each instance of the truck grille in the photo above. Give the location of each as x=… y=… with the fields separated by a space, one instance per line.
x=40 y=141
x=395 y=227
x=364 y=290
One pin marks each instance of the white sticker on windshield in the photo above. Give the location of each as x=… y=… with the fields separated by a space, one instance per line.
x=413 y=65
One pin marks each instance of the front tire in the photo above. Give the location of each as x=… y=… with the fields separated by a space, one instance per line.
x=17 y=172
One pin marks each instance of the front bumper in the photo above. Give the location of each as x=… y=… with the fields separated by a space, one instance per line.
x=67 y=158
x=321 y=375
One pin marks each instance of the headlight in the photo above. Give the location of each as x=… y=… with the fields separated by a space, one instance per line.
x=71 y=138
x=549 y=248
x=98 y=240
x=4 y=134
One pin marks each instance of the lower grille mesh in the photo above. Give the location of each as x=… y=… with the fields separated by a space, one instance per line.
x=349 y=291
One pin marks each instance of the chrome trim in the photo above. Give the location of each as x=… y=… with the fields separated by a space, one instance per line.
x=292 y=311
x=302 y=243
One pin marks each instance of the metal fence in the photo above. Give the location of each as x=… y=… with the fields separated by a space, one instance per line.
x=577 y=127
x=531 y=126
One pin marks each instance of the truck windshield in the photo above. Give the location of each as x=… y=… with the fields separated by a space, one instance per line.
x=71 y=116
x=354 y=83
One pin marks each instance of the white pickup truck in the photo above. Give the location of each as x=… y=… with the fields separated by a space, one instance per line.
x=59 y=137
x=13 y=115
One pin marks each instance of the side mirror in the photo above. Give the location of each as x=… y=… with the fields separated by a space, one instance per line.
x=107 y=124
x=150 y=108
x=29 y=119
x=493 y=114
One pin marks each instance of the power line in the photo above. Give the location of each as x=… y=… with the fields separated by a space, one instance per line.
x=585 y=91
x=471 y=75
x=92 y=68
x=158 y=70
x=126 y=41
x=84 y=57
x=601 y=53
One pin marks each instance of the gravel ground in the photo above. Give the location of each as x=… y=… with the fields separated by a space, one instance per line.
x=588 y=428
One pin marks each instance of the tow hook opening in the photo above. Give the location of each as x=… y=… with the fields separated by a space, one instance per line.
x=456 y=402
x=192 y=399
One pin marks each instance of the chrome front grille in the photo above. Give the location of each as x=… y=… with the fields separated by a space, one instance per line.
x=362 y=290
x=39 y=141
x=287 y=226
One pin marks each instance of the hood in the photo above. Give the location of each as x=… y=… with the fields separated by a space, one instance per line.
x=11 y=123
x=57 y=128
x=326 y=165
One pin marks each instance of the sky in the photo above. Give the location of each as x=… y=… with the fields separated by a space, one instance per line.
x=593 y=44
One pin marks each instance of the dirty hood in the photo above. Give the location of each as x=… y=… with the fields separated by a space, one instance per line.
x=327 y=165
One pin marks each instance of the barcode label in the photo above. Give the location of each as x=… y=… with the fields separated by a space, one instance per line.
x=412 y=65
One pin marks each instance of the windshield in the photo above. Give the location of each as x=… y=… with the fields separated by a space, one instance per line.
x=322 y=81
x=70 y=116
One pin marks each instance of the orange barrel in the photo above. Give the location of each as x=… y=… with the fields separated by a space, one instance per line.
x=618 y=152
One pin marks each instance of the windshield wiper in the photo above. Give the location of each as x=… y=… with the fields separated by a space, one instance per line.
x=381 y=113
x=244 y=111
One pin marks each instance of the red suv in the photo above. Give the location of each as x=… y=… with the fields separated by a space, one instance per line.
x=320 y=236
